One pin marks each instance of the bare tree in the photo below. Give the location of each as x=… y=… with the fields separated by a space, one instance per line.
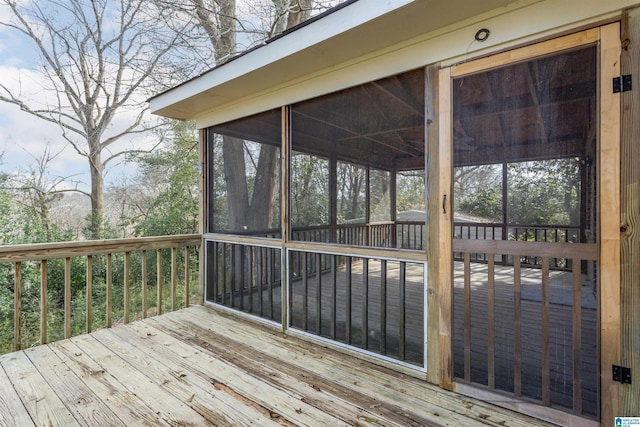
x=223 y=23
x=37 y=190
x=97 y=58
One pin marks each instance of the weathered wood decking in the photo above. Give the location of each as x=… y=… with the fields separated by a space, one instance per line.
x=199 y=366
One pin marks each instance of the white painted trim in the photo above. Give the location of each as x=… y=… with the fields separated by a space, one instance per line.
x=510 y=26
x=329 y=26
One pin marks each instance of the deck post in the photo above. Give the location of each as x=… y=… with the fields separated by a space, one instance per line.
x=444 y=222
x=285 y=212
x=630 y=209
x=432 y=198
x=609 y=295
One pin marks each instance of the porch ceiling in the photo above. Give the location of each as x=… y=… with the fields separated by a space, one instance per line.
x=536 y=110
x=541 y=109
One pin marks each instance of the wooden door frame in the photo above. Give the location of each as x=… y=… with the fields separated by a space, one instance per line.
x=608 y=37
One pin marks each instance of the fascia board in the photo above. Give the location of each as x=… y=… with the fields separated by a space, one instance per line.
x=348 y=18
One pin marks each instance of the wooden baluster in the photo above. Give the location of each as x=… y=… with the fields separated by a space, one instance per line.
x=491 y=314
x=127 y=283
x=517 y=326
x=159 y=281
x=109 y=302
x=467 y=316
x=89 y=292
x=67 y=297
x=43 y=301
x=17 y=307
x=187 y=291
x=174 y=277
x=144 y=284
x=577 y=336
x=546 y=374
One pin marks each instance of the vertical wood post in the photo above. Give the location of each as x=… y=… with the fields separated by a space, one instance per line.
x=630 y=221
x=89 y=292
x=609 y=296
x=145 y=304
x=186 y=276
x=43 y=301
x=127 y=284
x=443 y=243
x=109 y=289
x=67 y=297
x=174 y=277
x=159 y=281
x=17 y=307
x=432 y=200
x=285 y=209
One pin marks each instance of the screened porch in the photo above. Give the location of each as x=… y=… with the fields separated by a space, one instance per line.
x=317 y=219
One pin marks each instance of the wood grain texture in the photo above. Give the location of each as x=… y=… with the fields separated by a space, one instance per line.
x=566 y=42
x=200 y=366
x=630 y=210
x=36 y=252
x=609 y=296
x=433 y=225
x=445 y=227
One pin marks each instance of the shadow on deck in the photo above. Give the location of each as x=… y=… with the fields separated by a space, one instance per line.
x=200 y=366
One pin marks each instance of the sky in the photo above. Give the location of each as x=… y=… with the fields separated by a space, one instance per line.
x=24 y=138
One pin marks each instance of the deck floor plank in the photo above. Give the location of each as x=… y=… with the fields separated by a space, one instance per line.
x=130 y=409
x=172 y=368
x=78 y=398
x=312 y=391
x=380 y=387
x=12 y=411
x=44 y=406
x=247 y=381
x=205 y=366
x=171 y=409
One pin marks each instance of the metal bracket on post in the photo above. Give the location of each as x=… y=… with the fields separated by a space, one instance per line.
x=622 y=83
x=621 y=374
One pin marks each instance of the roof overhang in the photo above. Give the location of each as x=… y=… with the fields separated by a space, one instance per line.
x=358 y=29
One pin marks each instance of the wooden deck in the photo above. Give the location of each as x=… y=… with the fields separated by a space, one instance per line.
x=199 y=366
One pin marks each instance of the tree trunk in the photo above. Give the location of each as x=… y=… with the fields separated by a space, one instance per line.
x=262 y=199
x=236 y=178
x=96 y=222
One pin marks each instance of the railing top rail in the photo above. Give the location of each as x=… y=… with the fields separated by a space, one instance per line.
x=40 y=251
x=522 y=226
x=584 y=251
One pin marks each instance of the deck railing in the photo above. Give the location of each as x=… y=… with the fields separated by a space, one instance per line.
x=126 y=267
x=513 y=324
x=518 y=233
x=401 y=234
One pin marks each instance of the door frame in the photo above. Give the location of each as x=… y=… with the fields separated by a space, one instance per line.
x=608 y=38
